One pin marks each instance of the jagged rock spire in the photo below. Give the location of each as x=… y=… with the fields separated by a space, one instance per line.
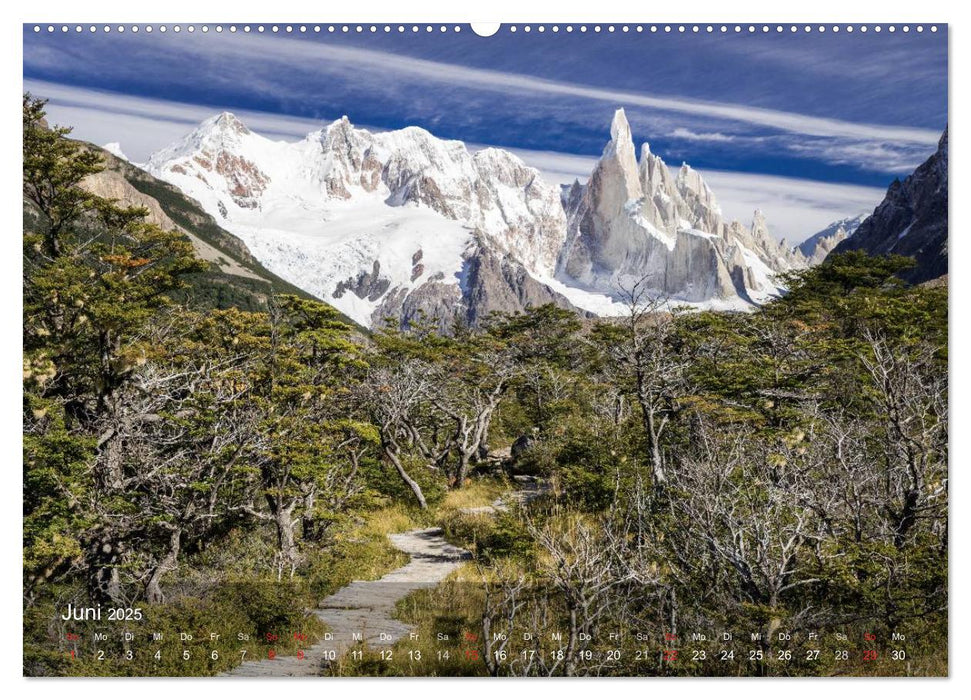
x=616 y=176
x=664 y=227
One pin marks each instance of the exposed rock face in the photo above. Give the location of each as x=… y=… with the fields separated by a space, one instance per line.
x=499 y=283
x=491 y=283
x=111 y=184
x=634 y=223
x=820 y=244
x=434 y=301
x=234 y=277
x=491 y=191
x=911 y=220
x=368 y=285
x=214 y=157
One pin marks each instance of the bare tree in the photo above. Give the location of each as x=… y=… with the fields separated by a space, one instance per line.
x=507 y=593
x=911 y=393
x=587 y=570
x=750 y=505
x=393 y=396
x=644 y=353
x=175 y=454
x=469 y=396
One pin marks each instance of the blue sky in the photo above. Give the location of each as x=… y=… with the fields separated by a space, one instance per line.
x=805 y=125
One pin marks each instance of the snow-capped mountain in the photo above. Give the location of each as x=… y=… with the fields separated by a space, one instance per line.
x=818 y=246
x=395 y=224
x=636 y=222
x=379 y=225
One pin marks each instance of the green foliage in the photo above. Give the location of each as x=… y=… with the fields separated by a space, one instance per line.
x=53 y=170
x=143 y=420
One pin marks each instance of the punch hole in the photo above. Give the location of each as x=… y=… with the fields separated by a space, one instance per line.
x=485 y=29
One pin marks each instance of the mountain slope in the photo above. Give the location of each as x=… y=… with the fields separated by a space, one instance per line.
x=911 y=220
x=393 y=225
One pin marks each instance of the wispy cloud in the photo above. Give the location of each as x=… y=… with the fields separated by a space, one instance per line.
x=884 y=157
x=688 y=135
x=162 y=120
x=435 y=72
x=795 y=207
x=297 y=74
x=143 y=125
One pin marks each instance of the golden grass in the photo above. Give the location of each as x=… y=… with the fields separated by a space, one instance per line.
x=387 y=521
x=475 y=494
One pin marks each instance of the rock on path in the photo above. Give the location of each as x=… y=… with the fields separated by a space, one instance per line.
x=366 y=607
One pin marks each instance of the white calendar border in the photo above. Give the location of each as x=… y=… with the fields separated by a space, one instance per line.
x=385 y=11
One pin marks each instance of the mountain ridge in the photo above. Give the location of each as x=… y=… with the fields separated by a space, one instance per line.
x=390 y=224
x=323 y=211
x=235 y=278
x=817 y=246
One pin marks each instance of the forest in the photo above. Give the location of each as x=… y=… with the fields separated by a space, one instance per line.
x=784 y=469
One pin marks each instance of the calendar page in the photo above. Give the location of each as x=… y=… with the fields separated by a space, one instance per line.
x=516 y=350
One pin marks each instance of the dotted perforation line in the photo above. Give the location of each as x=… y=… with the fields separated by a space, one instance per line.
x=512 y=29
x=723 y=28
x=247 y=29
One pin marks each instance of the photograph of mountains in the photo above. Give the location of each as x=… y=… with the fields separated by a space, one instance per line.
x=583 y=350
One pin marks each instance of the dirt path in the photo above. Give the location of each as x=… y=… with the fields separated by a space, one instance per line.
x=365 y=608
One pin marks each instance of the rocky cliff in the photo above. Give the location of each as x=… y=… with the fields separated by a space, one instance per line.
x=235 y=276
x=911 y=220
x=400 y=224
x=820 y=244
